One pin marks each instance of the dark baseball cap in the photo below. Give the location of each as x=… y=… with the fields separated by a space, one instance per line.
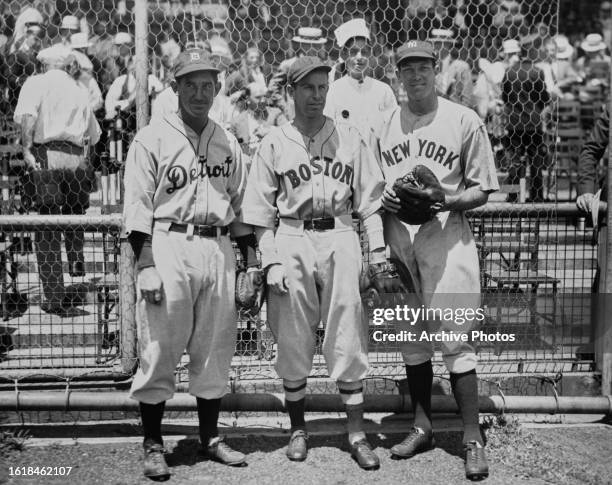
x=193 y=60
x=303 y=66
x=415 y=49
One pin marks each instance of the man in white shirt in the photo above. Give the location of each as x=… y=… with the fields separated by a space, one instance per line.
x=356 y=97
x=57 y=125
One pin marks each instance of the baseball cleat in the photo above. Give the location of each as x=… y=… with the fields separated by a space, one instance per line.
x=476 y=466
x=221 y=452
x=416 y=442
x=297 y=449
x=363 y=454
x=154 y=465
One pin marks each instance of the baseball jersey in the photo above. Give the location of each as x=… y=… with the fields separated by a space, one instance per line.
x=61 y=108
x=331 y=174
x=174 y=174
x=455 y=146
x=362 y=104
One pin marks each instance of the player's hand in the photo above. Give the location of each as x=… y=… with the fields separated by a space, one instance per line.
x=584 y=202
x=390 y=201
x=277 y=279
x=150 y=285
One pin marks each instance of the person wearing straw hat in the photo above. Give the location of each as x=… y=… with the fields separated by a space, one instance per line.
x=57 y=123
x=184 y=182
x=454 y=78
x=356 y=97
x=589 y=65
x=70 y=25
x=563 y=66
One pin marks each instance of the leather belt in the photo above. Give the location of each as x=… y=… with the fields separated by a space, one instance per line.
x=62 y=146
x=322 y=224
x=198 y=230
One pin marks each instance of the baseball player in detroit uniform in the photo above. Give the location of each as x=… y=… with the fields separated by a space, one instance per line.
x=184 y=182
x=312 y=174
x=441 y=254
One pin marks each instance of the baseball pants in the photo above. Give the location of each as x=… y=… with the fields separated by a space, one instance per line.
x=323 y=269
x=442 y=259
x=197 y=313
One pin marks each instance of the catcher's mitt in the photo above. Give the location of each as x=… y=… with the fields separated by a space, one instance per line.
x=250 y=290
x=421 y=196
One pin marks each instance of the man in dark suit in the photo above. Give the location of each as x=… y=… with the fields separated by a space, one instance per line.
x=525 y=96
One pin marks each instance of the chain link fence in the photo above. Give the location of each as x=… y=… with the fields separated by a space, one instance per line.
x=537 y=265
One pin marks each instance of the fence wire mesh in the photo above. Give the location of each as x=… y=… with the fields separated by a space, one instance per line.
x=536 y=269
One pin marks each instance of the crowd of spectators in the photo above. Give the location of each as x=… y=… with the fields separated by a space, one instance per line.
x=254 y=41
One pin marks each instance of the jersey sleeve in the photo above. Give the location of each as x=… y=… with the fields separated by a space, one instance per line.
x=368 y=183
x=139 y=182
x=259 y=208
x=477 y=157
x=389 y=101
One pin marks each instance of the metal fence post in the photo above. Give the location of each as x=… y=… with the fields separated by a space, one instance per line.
x=603 y=357
x=141 y=63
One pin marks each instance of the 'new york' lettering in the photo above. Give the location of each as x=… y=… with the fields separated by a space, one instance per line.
x=422 y=149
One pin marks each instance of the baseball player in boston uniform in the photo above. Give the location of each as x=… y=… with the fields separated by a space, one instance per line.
x=441 y=255
x=184 y=182
x=313 y=173
x=357 y=97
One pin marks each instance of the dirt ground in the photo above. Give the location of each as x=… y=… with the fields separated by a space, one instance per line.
x=517 y=455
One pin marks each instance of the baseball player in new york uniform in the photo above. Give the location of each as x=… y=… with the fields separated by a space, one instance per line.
x=313 y=173
x=356 y=97
x=441 y=255
x=184 y=182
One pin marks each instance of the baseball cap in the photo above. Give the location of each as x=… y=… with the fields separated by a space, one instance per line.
x=193 y=60
x=415 y=49
x=303 y=66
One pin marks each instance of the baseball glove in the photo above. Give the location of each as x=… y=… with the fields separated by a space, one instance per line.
x=421 y=196
x=250 y=290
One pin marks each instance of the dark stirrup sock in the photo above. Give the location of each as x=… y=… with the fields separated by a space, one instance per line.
x=208 y=416
x=151 y=416
x=420 y=382
x=465 y=389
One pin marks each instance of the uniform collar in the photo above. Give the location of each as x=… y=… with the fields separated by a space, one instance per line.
x=293 y=134
x=359 y=85
x=174 y=119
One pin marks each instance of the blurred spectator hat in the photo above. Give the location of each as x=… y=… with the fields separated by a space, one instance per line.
x=219 y=47
x=442 y=35
x=593 y=43
x=122 y=38
x=352 y=28
x=309 y=35
x=70 y=22
x=511 y=46
x=530 y=40
x=193 y=60
x=303 y=66
x=198 y=44
x=415 y=49
x=57 y=55
x=564 y=48
x=30 y=20
x=80 y=40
